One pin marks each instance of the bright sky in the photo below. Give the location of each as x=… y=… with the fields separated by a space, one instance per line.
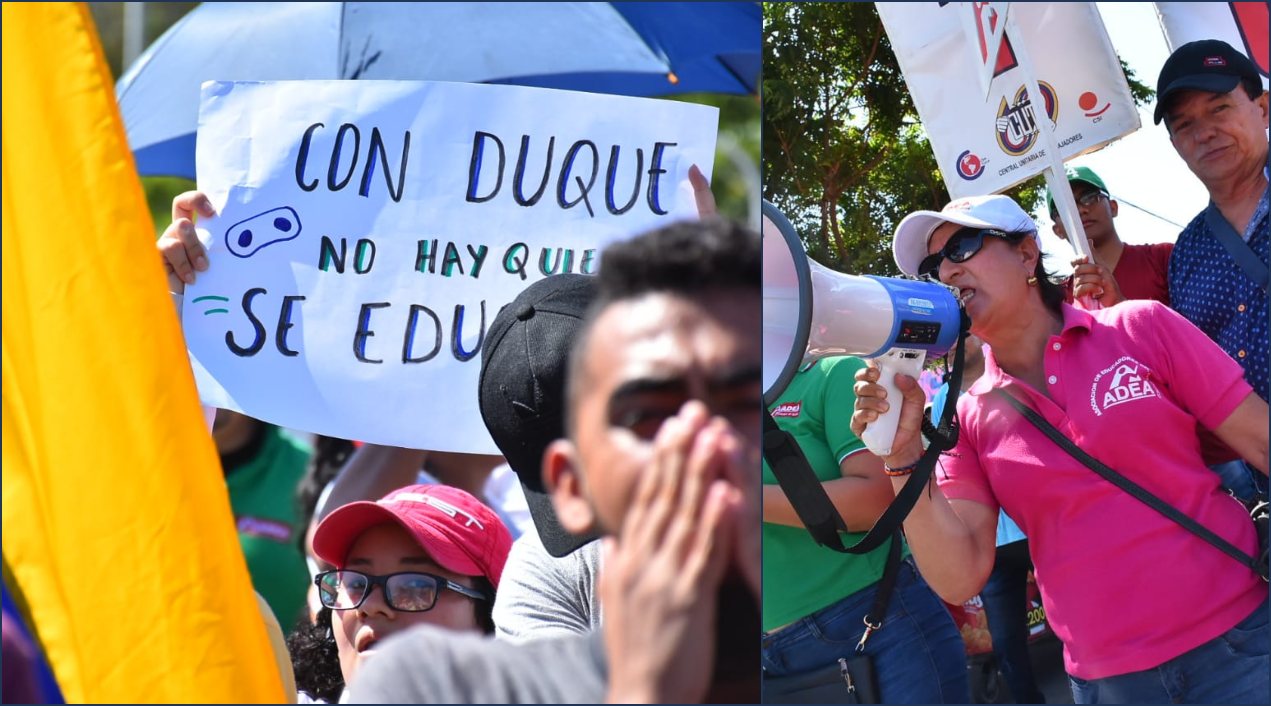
x=1141 y=168
x=1156 y=193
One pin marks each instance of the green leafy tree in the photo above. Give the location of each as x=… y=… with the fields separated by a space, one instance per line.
x=838 y=122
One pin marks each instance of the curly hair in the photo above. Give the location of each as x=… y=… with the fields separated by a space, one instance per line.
x=315 y=659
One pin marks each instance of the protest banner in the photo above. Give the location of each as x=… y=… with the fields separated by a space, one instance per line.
x=119 y=544
x=987 y=146
x=368 y=231
x=1243 y=25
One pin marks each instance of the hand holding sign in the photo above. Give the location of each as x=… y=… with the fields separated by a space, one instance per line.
x=373 y=228
x=179 y=245
x=1093 y=280
x=702 y=194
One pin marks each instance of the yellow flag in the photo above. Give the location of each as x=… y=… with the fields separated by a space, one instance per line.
x=117 y=523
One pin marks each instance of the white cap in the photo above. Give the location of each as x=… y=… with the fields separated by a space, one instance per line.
x=996 y=211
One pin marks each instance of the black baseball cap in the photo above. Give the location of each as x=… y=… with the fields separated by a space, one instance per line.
x=521 y=391
x=1204 y=65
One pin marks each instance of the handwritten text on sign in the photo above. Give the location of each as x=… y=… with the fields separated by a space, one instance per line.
x=368 y=232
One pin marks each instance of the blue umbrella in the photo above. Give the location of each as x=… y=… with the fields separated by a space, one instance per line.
x=626 y=48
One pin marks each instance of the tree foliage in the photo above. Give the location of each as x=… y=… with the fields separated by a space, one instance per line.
x=844 y=153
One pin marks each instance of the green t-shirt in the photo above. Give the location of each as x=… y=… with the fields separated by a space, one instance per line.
x=799 y=576
x=262 y=492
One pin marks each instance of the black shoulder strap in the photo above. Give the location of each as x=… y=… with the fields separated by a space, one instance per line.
x=1236 y=246
x=813 y=505
x=878 y=611
x=1133 y=488
x=820 y=517
x=800 y=484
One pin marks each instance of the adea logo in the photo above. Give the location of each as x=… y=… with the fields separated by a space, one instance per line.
x=970 y=166
x=1017 y=120
x=1124 y=381
x=789 y=409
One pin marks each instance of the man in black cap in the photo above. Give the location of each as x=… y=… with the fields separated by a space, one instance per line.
x=663 y=405
x=1215 y=109
x=548 y=586
x=549 y=582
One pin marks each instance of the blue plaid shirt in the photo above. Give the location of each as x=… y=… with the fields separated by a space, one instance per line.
x=1213 y=292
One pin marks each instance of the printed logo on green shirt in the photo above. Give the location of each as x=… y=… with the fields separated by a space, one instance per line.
x=263 y=527
x=789 y=409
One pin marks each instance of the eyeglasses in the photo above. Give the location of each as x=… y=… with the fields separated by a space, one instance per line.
x=1085 y=200
x=962 y=246
x=409 y=591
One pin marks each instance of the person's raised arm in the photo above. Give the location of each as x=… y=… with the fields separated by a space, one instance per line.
x=862 y=492
x=953 y=541
x=179 y=245
x=860 y=496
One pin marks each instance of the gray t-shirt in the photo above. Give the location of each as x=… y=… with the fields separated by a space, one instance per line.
x=545 y=596
x=428 y=664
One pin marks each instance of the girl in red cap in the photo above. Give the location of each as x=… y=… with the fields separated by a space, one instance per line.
x=422 y=554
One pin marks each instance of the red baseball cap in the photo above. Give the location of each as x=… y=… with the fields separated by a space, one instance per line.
x=458 y=531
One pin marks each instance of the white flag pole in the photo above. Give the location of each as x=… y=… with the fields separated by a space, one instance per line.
x=1056 y=178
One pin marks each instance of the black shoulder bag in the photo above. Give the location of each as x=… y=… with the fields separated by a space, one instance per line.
x=1257 y=508
x=852 y=679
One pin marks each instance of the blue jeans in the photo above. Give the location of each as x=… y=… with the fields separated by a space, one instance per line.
x=1233 y=668
x=919 y=656
x=1243 y=480
x=1005 y=599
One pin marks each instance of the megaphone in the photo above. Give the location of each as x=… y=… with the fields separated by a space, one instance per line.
x=811 y=311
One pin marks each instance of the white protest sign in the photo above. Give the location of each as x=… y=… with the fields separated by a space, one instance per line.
x=369 y=231
x=986 y=22
x=985 y=147
x=1243 y=25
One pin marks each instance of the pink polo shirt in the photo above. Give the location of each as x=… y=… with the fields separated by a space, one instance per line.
x=1125 y=588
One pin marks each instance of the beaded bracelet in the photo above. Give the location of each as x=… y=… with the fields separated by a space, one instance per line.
x=899 y=472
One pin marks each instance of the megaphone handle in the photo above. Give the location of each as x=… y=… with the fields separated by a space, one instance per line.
x=880 y=433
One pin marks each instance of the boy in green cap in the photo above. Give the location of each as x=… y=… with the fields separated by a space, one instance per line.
x=1120 y=271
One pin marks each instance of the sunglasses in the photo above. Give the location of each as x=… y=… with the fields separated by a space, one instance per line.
x=1085 y=200
x=962 y=246
x=408 y=591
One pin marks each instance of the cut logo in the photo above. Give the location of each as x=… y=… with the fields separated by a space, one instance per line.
x=1017 y=120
